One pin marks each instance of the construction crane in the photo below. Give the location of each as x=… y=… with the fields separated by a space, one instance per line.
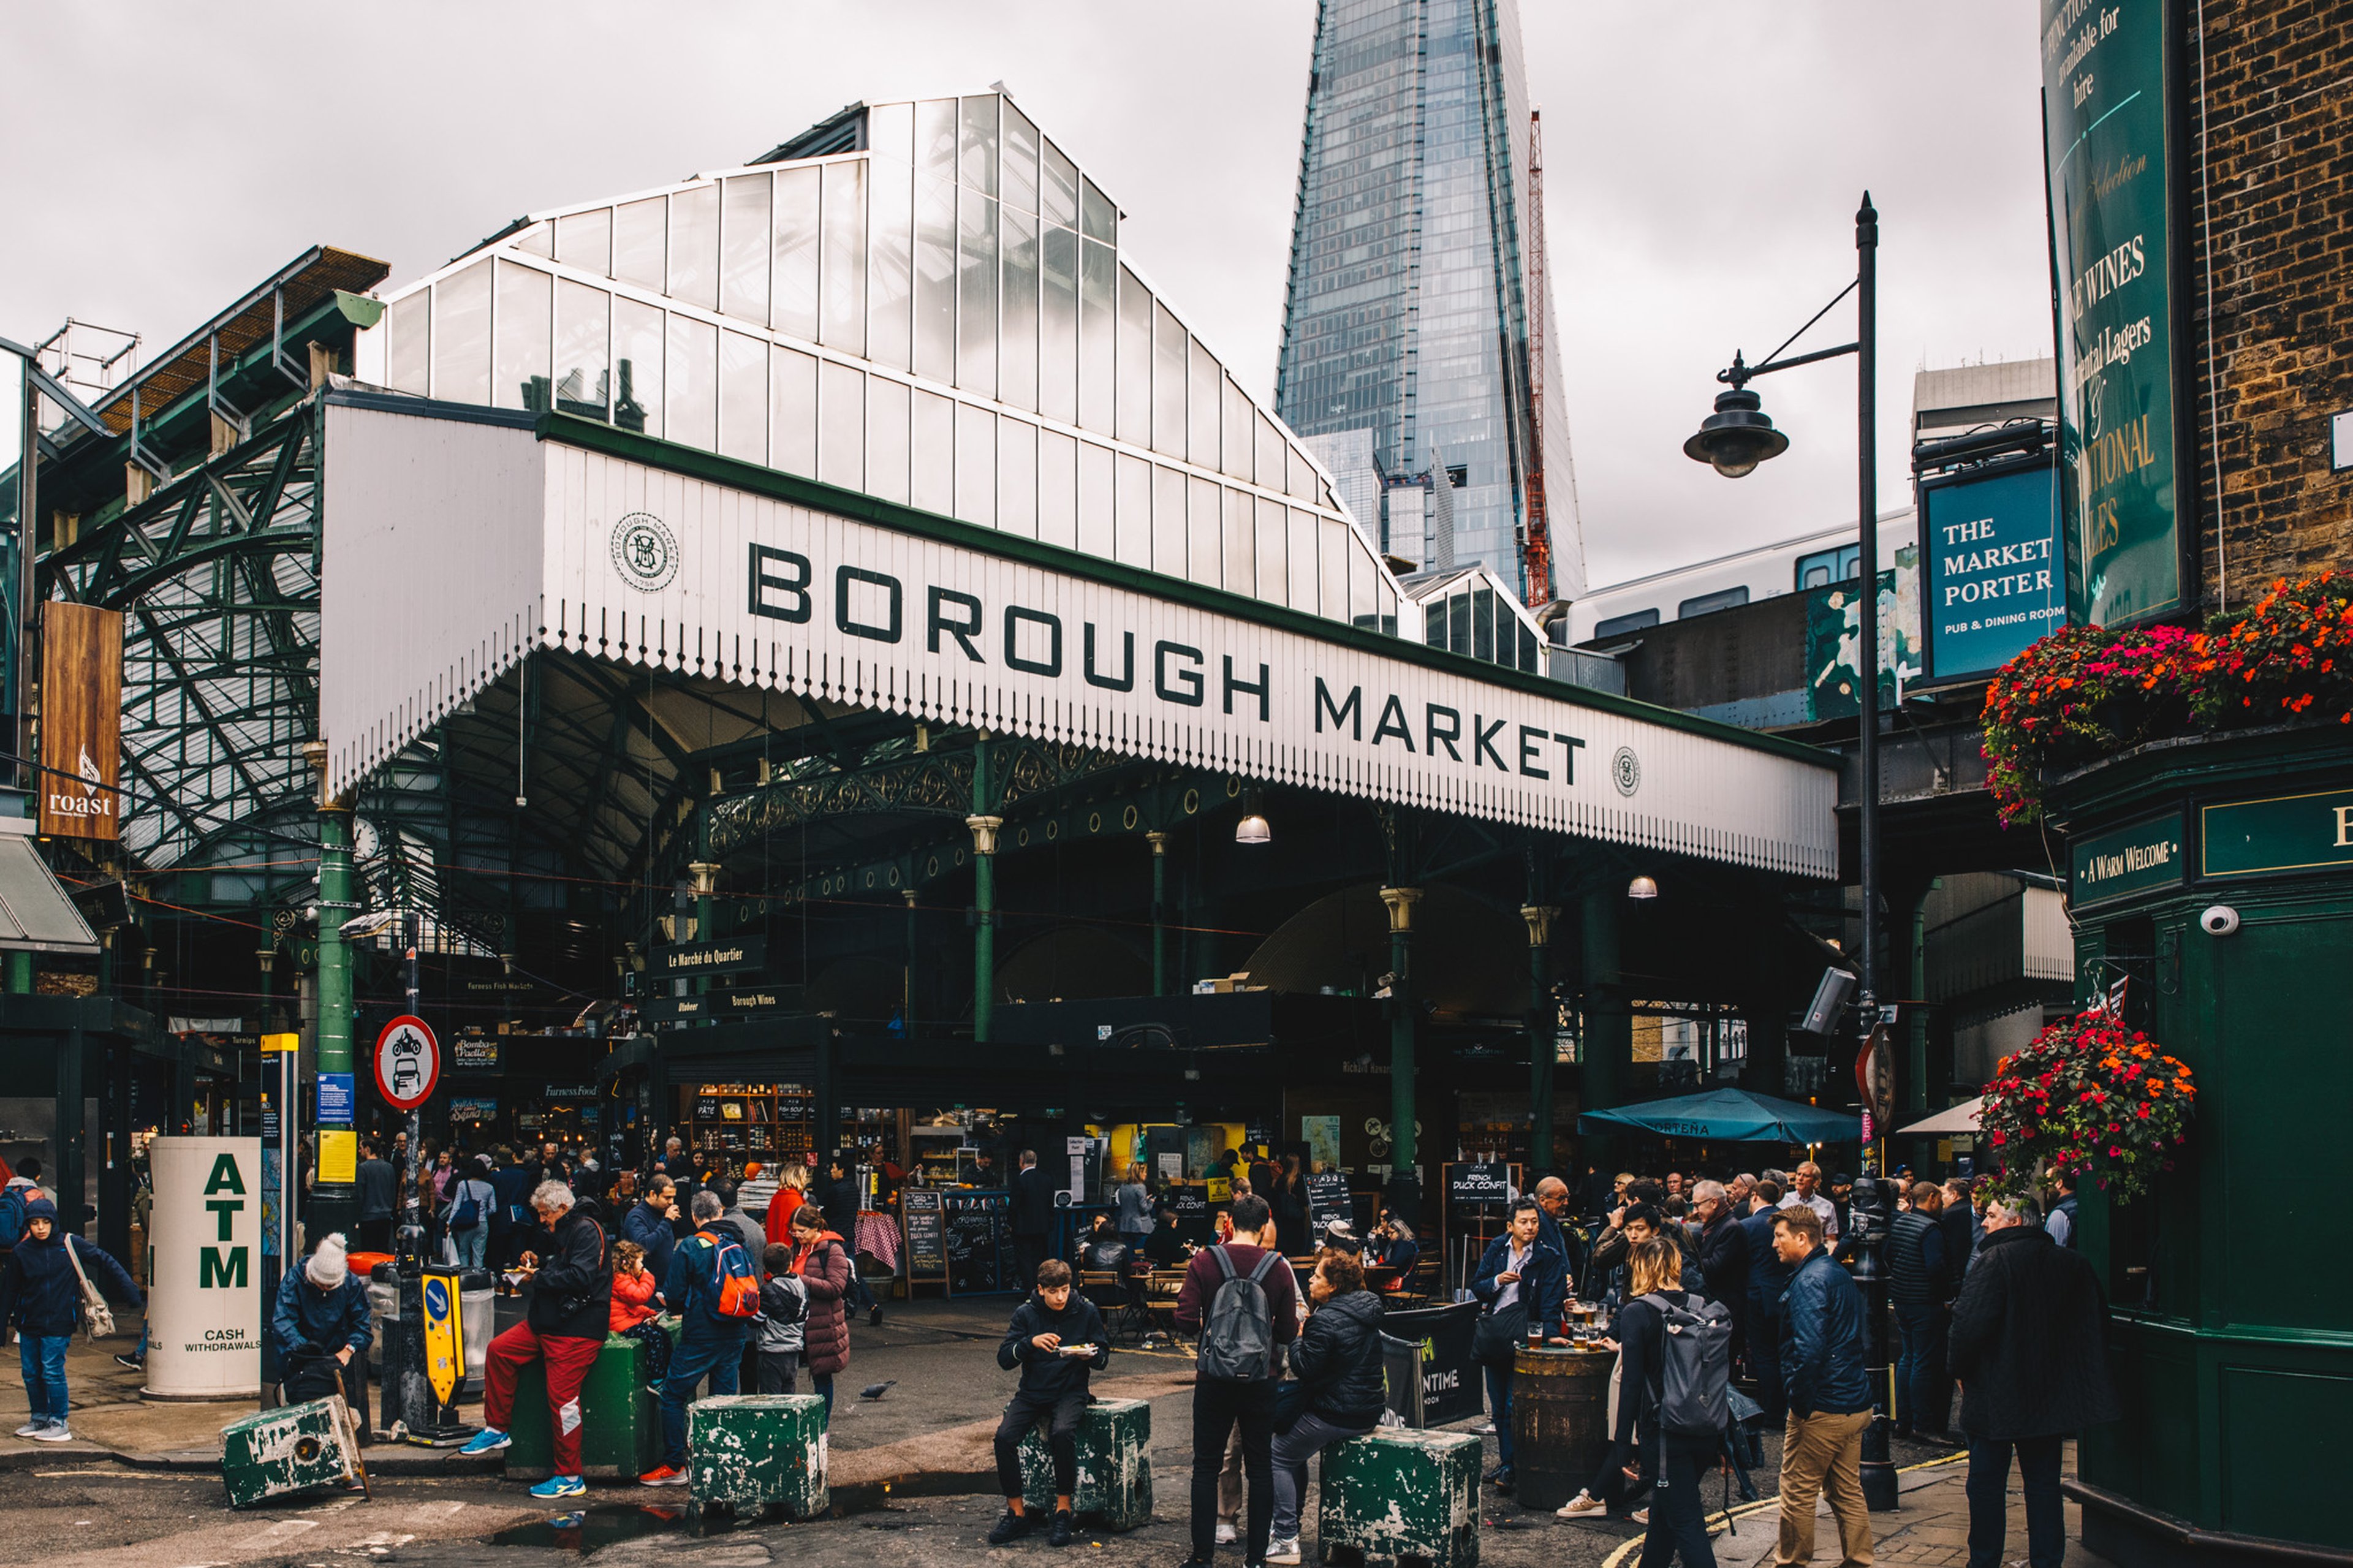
x=1535 y=554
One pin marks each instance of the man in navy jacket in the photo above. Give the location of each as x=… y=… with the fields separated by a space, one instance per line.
x=1828 y=1395
x=1520 y=1269
x=1768 y=1277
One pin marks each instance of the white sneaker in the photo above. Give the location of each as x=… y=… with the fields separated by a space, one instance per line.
x=1484 y=1430
x=1282 y=1552
x=1580 y=1505
x=1226 y=1535
x=56 y=1434
x=31 y=1427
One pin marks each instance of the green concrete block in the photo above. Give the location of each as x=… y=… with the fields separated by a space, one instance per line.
x=1394 y=1494
x=620 y=1421
x=752 y=1452
x=294 y=1449
x=1114 y=1465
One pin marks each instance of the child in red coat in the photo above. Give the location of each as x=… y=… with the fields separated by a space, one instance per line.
x=637 y=1306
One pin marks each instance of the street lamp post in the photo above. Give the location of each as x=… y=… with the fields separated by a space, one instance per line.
x=1734 y=440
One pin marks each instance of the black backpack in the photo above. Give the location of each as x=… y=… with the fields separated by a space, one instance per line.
x=1695 y=1360
x=1237 y=1335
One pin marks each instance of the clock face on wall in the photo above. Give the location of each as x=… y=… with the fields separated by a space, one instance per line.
x=365 y=841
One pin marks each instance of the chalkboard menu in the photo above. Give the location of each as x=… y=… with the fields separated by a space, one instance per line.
x=927 y=1240
x=1328 y=1198
x=979 y=1230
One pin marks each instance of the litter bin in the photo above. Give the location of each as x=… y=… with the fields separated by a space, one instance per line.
x=476 y=1310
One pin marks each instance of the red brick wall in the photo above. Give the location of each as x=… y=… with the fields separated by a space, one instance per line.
x=2278 y=191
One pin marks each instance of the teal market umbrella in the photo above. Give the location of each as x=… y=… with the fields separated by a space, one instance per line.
x=1730 y=1116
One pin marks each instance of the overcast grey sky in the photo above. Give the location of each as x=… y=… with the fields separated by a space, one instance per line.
x=1702 y=166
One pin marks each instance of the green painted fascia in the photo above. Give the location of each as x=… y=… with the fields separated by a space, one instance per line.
x=2119 y=786
x=572 y=430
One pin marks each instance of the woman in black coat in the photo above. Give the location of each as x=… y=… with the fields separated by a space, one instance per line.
x=1337 y=1360
x=1677 y=1519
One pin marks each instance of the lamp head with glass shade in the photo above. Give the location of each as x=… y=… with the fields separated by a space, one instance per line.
x=1642 y=888
x=1736 y=437
x=1254 y=827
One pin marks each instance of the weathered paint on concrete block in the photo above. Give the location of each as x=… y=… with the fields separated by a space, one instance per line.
x=620 y=1422
x=1394 y=1494
x=1114 y=1481
x=751 y=1452
x=294 y=1449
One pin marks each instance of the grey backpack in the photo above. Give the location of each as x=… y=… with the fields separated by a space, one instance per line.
x=1238 y=1338
x=1696 y=1368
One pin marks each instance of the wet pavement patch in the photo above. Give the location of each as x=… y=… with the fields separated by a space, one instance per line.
x=585 y=1530
x=877 y=1496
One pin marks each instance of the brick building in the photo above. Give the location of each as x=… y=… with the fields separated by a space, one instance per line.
x=2268 y=211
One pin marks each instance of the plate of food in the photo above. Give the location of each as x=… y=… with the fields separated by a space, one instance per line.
x=1077 y=1350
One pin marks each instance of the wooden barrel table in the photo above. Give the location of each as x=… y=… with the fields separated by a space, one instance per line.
x=1560 y=1421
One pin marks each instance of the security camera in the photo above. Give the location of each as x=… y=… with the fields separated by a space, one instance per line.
x=2219 y=920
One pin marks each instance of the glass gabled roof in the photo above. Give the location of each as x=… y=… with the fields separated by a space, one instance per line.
x=938 y=314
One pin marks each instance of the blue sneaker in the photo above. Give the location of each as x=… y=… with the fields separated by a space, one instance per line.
x=560 y=1486
x=489 y=1440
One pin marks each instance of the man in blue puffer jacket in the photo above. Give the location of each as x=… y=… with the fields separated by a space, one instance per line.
x=1830 y=1397
x=40 y=1297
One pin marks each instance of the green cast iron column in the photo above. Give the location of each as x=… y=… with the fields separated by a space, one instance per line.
x=20 y=973
x=907 y=1003
x=1402 y=1023
x=334 y=1205
x=1916 y=1081
x=1607 y=1046
x=984 y=825
x=1542 y=1049
x=1159 y=842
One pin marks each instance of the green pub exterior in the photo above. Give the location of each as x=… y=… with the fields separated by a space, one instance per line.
x=2215 y=877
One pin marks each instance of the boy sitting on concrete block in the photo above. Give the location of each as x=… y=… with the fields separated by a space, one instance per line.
x=1057 y=1338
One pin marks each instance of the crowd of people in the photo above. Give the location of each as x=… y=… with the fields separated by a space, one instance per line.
x=597 y=1251
x=1984 y=1294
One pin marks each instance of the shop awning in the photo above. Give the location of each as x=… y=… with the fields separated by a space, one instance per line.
x=35 y=916
x=1948 y=1123
x=1731 y=1116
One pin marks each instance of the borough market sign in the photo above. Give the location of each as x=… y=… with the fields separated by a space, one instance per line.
x=637 y=552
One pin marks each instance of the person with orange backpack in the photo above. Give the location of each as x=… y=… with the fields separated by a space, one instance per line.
x=714 y=1289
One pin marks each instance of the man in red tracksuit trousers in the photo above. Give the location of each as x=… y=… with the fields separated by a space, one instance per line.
x=570 y=1290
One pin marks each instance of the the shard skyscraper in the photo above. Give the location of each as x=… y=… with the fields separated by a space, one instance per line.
x=1416 y=307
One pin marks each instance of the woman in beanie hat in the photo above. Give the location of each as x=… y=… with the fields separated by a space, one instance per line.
x=40 y=1297
x=322 y=1315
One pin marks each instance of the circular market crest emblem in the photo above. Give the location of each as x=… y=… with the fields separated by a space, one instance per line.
x=1626 y=770
x=645 y=552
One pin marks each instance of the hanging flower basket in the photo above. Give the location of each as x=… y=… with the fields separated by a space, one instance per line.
x=2091 y=1099
x=2083 y=692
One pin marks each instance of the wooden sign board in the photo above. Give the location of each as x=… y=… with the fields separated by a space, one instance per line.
x=81 y=720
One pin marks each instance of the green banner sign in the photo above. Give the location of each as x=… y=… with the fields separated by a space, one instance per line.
x=1991 y=584
x=2122 y=861
x=2287 y=832
x=2105 y=67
